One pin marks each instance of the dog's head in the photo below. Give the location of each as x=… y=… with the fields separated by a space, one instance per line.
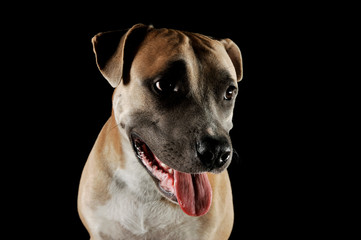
x=174 y=97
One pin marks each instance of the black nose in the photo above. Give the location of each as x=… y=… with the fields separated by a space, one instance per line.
x=214 y=152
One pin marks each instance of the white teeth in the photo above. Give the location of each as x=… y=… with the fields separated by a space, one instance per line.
x=163 y=165
x=170 y=171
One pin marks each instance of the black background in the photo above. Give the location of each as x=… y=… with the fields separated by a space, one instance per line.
x=61 y=101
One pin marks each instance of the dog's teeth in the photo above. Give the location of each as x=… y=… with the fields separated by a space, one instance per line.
x=170 y=171
x=163 y=165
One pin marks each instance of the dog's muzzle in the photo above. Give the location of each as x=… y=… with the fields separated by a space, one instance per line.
x=192 y=192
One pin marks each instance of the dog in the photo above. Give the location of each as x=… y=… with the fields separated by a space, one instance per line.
x=158 y=167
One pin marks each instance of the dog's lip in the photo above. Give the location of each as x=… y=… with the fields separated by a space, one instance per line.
x=192 y=192
x=136 y=141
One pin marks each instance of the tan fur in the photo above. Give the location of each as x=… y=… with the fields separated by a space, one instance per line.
x=117 y=198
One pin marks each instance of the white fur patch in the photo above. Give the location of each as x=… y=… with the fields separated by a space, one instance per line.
x=138 y=208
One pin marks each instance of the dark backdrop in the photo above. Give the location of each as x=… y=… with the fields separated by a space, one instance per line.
x=67 y=101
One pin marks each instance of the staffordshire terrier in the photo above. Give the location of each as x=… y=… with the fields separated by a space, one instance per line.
x=158 y=167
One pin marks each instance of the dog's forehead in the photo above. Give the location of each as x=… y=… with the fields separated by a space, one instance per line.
x=161 y=47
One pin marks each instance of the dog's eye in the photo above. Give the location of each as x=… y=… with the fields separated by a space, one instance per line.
x=231 y=91
x=163 y=86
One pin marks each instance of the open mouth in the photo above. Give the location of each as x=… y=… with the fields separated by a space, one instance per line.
x=192 y=192
x=161 y=173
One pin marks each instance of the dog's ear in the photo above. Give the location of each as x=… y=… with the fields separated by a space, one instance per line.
x=115 y=50
x=235 y=55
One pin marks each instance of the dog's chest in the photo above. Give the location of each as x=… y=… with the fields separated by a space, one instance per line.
x=145 y=216
x=151 y=220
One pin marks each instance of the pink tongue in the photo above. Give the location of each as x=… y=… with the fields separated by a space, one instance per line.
x=194 y=193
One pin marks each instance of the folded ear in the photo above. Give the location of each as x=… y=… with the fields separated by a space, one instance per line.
x=235 y=55
x=115 y=50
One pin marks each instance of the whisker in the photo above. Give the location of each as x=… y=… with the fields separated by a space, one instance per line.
x=236 y=158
